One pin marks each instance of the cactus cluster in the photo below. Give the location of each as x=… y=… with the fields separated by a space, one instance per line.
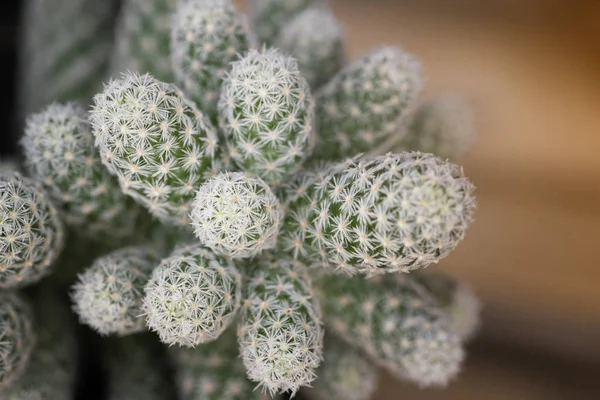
x=234 y=190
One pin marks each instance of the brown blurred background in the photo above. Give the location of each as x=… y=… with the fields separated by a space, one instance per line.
x=531 y=70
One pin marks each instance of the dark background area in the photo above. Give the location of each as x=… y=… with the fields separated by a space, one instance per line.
x=9 y=21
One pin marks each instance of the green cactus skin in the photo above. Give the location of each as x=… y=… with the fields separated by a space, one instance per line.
x=58 y=146
x=213 y=372
x=17 y=337
x=192 y=296
x=365 y=103
x=344 y=375
x=457 y=299
x=156 y=142
x=266 y=112
x=109 y=295
x=316 y=39
x=396 y=322
x=398 y=212
x=280 y=332
x=206 y=36
x=138 y=368
x=143 y=36
x=31 y=233
x=268 y=17
x=64 y=52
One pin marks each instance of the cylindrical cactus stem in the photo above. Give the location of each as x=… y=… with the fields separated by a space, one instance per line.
x=456 y=298
x=58 y=146
x=396 y=322
x=236 y=215
x=17 y=337
x=266 y=112
x=398 y=212
x=213 y=371
x=143 y=37
x=156 y=142
x=345 y=374
x=365 y=103
x=192 y=296
x=280 y=332
x=268 y=17
x=206 y=36
x=316 y=39
x=108 y=296
x=31 y=233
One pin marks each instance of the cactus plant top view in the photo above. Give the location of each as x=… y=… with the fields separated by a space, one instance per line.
x=238 y=212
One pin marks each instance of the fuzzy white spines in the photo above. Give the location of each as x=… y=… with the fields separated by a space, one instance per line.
x=58 y=146
x=397 y=212
x=192 y=296
x=205 y=37
x=280 y=332
x=31 y=233
x=17 y=337
x=236 y=215
x=157 y=143
x=266 y=113
x=316 y=39
x=366 y=102
x=108 y=295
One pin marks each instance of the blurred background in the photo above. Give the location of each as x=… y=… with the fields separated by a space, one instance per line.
x=531 y=71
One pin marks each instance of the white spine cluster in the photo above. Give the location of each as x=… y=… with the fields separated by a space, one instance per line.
x=157 y=143
x=108 y=296
x=192 y=296
x=236 y=215
x=58 y=146
x=31 y=233
x=266 y=112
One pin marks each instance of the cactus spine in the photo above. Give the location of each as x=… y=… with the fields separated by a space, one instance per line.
x=280 y=331
x=266 y=112
x=31 y=233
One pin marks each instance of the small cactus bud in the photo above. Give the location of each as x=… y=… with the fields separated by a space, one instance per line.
x=192 y=296
x=236 y=215
x=206 y=36
x=109 y=295
x=280 y=332
x=157 y=143
x=31 y=233
x=398 y=212
x=17 y=337
x=365 y=103
x=59 y=151
x=396 y=322
x=316 y=39
x=266 y=112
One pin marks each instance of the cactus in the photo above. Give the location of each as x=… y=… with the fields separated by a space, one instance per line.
x=213 y=372
x=31 y=233
x=206 y=36
x=58 y=146
x=64 y=52
x=156 y=141
x=398 y=212
x=7 y=165
x=266 y=112
x=236 y=215
x=365 y=103
x=192 y=296
x=109 y=295
x=143 y=37
x=344 y=375
x=17 y=337
x=457 y=299
x=269 y=16
x=316 y=39
x=396 y=322
x=280 y=331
